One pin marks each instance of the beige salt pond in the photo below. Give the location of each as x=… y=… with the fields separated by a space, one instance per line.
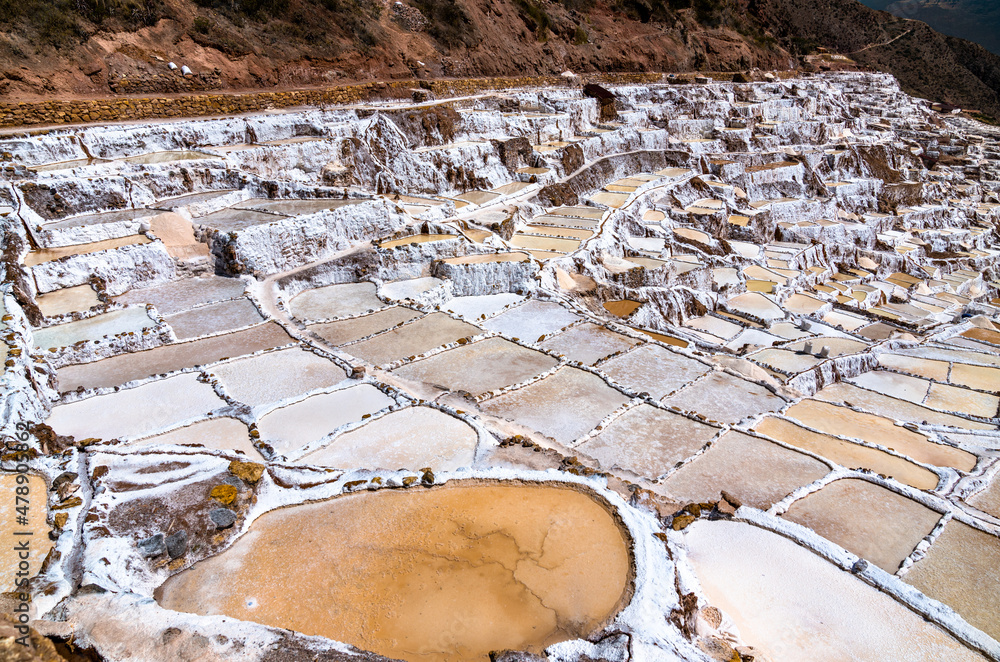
x=412 y=339
x=274 y=376
x=224 y=434
x=848 y=454
x=118 y=322
x=725 y=398
x=588 y=343
x=335 y=301
x=653 y=369
x=50 y=254
x=960 y=570
x=178 y=295
x=68 y=300
x=123 y=368
x=459 y=570
x=831 y=419
x=476 y=368
x=291 y=427
x=647 y=441
x=214 y=318
x=356 y=328
x=531 y=320
x=866 y=519
x=757 y=472
x=410 y=438
x=793 y=605
x=137 y=411
x=563 y=406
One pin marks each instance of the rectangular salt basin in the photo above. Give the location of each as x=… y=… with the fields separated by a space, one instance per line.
x=297 y=207
x=479 y=367
x=654 y=370
x=894 y=408
x=136 y=412
x=124 y=368
x=333 y=301
x=214 y=318
x=563 y=406
x=588 y=343
x=356 y=328
x=50 y=254
x=290 y=428
x=80 y=298
x=756 y=471
x=531 y=320
x=232 y=220
x=757 y=305
x=410 y=438
x=793 y=605
x=831 y=419
x=475 y=307
x=412 y=339
x=224 y=434
x=866 y=519
x=115 y=216
x=273 y=376
x=592 y=213
x=537 y=242
x=647 y=441
x=117 y=322
x=848 y=454
x=722 y=397
x=185 y=293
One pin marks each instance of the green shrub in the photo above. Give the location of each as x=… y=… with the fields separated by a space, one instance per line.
x=580 y=36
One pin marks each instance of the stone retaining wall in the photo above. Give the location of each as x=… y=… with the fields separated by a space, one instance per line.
x=198 y=105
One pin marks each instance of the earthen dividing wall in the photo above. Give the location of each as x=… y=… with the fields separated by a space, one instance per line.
x=198 y=105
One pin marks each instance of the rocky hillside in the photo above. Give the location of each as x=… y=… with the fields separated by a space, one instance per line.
x=60 y=48
x=975 y=20
x=927 y=63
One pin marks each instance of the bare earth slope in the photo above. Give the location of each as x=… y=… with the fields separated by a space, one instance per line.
x=97 y=47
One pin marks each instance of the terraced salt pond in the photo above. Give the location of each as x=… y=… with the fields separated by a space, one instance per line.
x=71 y=299
x=49 y=254
x=756 y=471
x=227 y=434
x=129 y=320
x=123 y=368
x=831 y=419
x=289 y=428
x=794 y=606
x=409 y=438
x=476 y=368
x=460 y=570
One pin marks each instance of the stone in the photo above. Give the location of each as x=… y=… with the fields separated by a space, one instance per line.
x=152 y=546
x=224 y=494
x=223 y=518
x=176 y=544
x=249 y=472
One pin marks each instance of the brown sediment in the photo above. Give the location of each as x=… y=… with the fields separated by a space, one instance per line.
x=622 y=307
x=50 y=254
x=444 y=574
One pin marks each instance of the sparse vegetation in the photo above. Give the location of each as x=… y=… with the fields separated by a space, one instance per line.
x=447 y=22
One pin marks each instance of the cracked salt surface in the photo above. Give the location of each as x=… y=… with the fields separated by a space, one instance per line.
x=459 y=570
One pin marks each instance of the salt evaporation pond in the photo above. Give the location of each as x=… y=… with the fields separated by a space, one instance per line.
x=410 y=438
x=459 y=570
x=334 y=301
x=793 y=606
